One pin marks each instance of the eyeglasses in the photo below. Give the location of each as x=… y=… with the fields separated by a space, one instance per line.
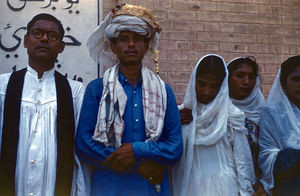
x=39 y=33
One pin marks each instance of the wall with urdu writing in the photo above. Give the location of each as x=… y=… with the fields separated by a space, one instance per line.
x=266 y=29
x=79 y=18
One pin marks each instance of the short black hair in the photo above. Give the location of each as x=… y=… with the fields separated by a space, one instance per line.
x=49 y=17
x=287 y=67
x=212 y=65
x=248 y=60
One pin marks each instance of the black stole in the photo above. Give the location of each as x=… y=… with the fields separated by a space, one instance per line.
x=10 y=134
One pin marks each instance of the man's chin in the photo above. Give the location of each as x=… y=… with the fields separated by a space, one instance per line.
x=42 y=57
x=132 y=62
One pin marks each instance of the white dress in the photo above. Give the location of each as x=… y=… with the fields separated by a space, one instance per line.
x=216 y=160
x=36 y=156
x=280 y=129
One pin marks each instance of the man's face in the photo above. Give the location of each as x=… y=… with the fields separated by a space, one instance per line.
x=41 y=42
x=207 y=87
x=241 y=82
x=293 y=86
x=130 y=47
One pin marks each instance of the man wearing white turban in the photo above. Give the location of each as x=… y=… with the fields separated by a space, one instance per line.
x=129 y=127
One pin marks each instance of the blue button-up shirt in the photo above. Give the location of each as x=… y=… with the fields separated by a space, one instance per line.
x=166 y=151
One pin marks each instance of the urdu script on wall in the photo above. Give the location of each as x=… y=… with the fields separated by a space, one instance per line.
x=79 y=18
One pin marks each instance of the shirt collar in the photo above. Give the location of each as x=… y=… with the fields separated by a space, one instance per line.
x=123 y=80
x=46 y=75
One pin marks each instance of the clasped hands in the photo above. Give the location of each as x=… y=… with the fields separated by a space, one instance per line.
x=122 y=160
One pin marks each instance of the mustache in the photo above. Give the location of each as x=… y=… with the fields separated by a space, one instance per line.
x=130 y=51
x=43 y=46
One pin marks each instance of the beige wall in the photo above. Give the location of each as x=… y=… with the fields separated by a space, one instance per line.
x=266 y=29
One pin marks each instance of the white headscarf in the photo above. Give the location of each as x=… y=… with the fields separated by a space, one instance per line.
x=211 y=118
x=277 y=95
x=252 y=104
x=209 y=125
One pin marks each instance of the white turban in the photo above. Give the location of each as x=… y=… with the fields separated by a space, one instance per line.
x=128 y=23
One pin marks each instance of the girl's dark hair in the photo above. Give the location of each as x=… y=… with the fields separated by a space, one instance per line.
x=49 y=17
x=249 y=60
x=212 y=65
x=287 y=67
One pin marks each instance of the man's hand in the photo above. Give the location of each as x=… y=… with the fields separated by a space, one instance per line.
x=122 y=159
x=186 y=116
x=152 y=171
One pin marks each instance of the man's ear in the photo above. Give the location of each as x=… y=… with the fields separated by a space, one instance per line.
x=113 y=48
x=25 y=41
x=61 y=47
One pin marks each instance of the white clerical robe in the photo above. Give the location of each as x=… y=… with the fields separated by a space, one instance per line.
x=37 y=149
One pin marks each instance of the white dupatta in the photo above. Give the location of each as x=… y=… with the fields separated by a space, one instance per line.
x=209 y=125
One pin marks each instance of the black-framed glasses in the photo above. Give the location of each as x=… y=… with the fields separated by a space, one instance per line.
x=39 y=33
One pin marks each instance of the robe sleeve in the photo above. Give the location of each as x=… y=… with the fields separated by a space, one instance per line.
x=244 y=164
x=269 y=146
x=82 y=171
x=3 y=85
x=78 y=103
x=1 y=119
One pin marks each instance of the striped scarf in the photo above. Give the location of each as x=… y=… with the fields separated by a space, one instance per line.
x=110 y=125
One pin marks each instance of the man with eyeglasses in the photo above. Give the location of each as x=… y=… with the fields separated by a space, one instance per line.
x=39 y=109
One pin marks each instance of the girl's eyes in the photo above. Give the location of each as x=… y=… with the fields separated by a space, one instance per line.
x=215 y=86
x=242 y=75
x=239 y=75
x=201 y=83
x=295 y=78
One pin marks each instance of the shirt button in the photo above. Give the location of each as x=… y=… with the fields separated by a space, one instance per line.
x=135 y=105
x=133 y=91
x=32 y=161
x=39 y=102
x=35 y=132
x=39 y=90
x=137 y=120
x=40 y=80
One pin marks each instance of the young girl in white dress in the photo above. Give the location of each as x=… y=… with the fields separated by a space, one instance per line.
x=215 y=160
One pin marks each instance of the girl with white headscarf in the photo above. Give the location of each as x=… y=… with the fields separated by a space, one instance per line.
x=279 y=140
x=245 y=94
x=215 y=160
